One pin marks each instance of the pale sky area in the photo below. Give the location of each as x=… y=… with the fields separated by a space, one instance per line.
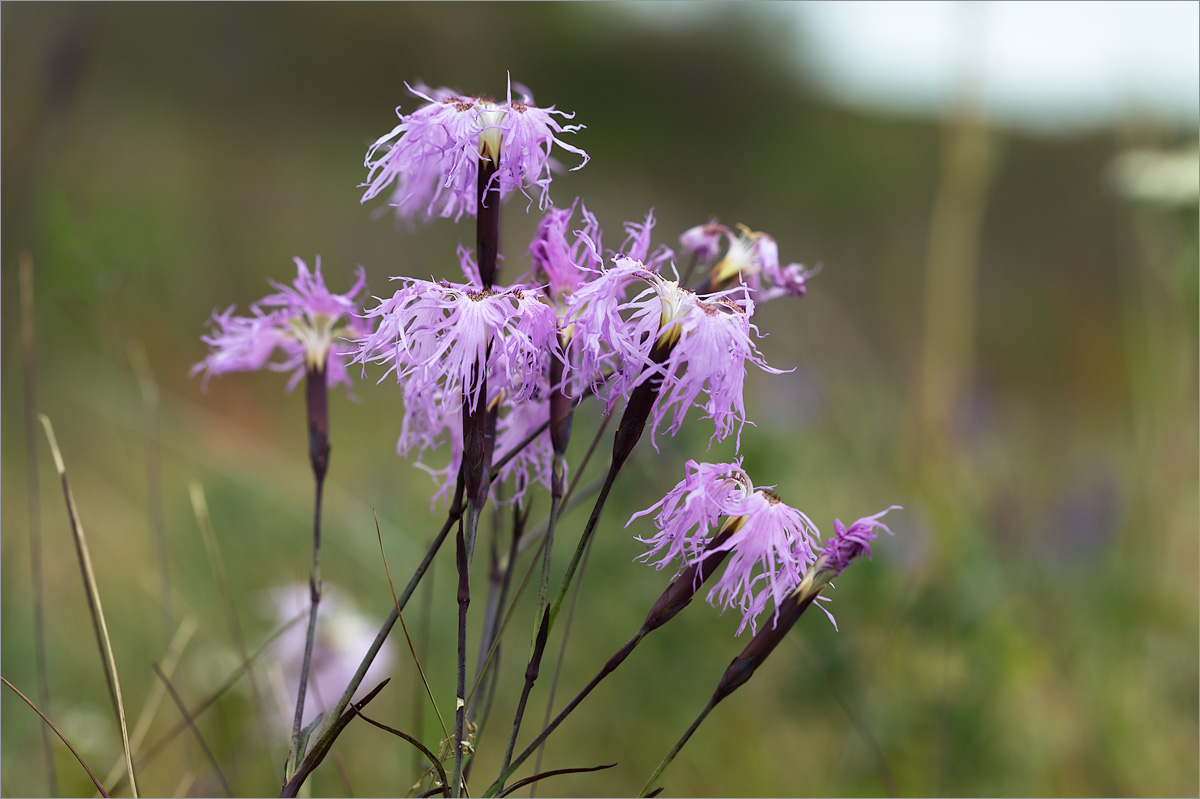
x=1034 y=64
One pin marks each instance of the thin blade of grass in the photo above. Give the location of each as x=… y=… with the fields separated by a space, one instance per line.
x=149 y=389
x=424 y=750
x=555 y=773
x=29 y=366
x=404 y=627
x=418 y=706
x=157 y=691
x=93 y=594
x=212 y=761
x=62 y=737
x=204 y=522
x=208 y=701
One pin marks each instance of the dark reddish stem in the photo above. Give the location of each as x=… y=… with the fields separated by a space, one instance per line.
x=487 y=229
x=317 y=396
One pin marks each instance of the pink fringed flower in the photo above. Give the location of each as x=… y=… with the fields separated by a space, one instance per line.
x=752 y=258
x=709 y=339
x=770 y=544
x=560 y=264
x=849 y=543
x=846 y=545
x=691 y=509
x=432 y=156
x=441 y=338
x=305 y=323
x=637 y=245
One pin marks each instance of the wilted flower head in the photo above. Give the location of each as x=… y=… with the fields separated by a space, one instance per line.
x=343 y=636
x=708 y=339
x=432 y=156
x=307 y=324
x=770 y=544
x=442 y=338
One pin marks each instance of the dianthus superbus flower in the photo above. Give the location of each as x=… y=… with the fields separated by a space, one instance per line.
x=307 y=325
x=432 y=156
x=563 y=259
x=752 y=259
x=769 y=544
x=443 y=338
x=696 y=345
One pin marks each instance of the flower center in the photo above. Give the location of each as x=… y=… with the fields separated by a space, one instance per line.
x=491 y=133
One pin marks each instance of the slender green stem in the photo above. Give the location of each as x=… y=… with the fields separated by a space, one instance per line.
x=179 y=703
x=318 y=453
x=489 y=651
x=666 y=761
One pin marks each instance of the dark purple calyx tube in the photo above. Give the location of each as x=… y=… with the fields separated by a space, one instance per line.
x=487 y=227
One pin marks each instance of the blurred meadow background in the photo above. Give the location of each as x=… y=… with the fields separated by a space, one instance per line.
x=1003 y=340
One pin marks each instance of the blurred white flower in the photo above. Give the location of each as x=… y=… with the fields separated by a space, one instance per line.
x=343 y=636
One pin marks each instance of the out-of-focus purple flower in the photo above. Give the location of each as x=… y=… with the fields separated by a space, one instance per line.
x=703 y=241
x=308 y=325
x=752 y=258
x=442 y=338
x=430 y=425
x=533 y=464
x=432 y=156
x=558 y=263
x=709 y=339
x=770 y=547
x=343 y=636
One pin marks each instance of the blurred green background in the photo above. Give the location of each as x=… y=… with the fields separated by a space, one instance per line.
x=999 y=341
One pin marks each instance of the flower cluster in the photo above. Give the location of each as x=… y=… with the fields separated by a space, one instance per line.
x=307 y=325
x=595 y=321
x=433 y=155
